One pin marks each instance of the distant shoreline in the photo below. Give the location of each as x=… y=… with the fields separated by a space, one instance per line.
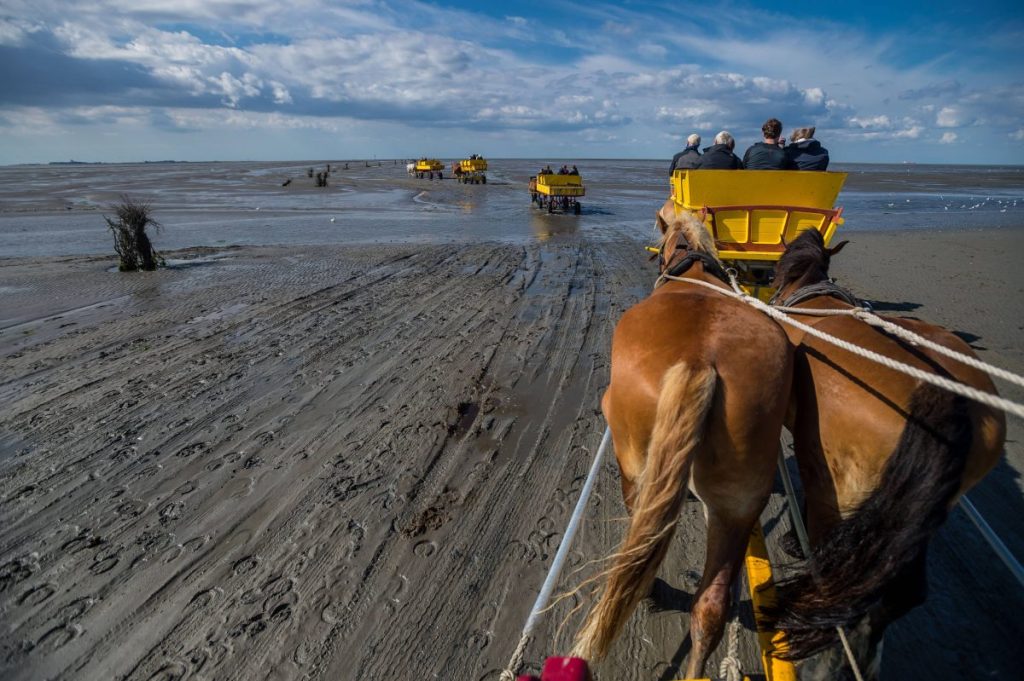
x=553 y=159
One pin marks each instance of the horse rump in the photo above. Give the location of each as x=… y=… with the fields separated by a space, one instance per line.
x=851 y=568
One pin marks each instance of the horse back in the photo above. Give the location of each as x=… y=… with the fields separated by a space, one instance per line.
x=853 y=410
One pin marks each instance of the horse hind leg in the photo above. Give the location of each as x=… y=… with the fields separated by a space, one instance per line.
x=727 y=540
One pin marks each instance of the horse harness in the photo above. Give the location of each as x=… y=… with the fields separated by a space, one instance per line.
x=676 y=268
x=821 y=288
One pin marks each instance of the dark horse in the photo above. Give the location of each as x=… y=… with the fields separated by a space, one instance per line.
x=882 y=457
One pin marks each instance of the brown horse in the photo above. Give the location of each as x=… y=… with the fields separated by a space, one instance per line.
x=699 y=385
x=882 y=457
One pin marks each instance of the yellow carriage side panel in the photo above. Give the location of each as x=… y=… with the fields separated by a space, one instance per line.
x=470 y=165
x=428 y=165
x=560 y=185
x=762 y=594
x=733 y=225
x=694 y=189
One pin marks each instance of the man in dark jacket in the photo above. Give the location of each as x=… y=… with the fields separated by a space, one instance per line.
x=688 y=157
x=767 y=155
x=805 y=153
x=719 y=155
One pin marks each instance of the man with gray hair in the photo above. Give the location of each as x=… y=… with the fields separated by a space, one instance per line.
x=688 y=157
x=719 y=155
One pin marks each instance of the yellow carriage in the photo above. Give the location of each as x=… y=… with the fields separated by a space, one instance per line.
x=428 y=167
x=753 y=214
x=557 y=192
x=471 y=171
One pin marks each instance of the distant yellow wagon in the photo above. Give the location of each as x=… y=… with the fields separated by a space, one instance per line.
x=471 y=171
x=557 y=192
x=753 y=214
x=428 y=167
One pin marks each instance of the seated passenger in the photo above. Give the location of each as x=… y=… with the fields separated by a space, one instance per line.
x=767 y=155
x=719 y=155
x=806 y=153
x=574 y=171
x=688 y=157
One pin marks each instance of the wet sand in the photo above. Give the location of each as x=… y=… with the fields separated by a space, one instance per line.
x=357 y=462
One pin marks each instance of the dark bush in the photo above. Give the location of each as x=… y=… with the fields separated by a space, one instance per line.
x=134 y=249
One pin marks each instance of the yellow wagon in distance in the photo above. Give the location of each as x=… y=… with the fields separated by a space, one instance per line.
x=471 y=171
x=557 y=192
x=753 y=214
x=427 y=167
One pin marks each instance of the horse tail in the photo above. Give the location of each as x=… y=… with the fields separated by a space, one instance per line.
x=680 y=420
x=850 y=569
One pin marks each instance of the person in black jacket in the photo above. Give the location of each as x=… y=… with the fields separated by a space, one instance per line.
x=719 y=155
x=805 y=153
x=767 y=155
x=688 y=157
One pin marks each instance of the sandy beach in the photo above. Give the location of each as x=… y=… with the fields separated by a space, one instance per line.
x=357 y=462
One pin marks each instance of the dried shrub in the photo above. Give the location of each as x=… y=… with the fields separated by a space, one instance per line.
x=134 y=249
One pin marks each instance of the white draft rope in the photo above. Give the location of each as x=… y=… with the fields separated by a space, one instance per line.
x=914 y=339
x=1009 y=406
x=541 y=604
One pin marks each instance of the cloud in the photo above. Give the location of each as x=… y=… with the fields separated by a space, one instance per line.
x=949 y=117
x=1017 y=135
x=423 y=65
x=948 y=138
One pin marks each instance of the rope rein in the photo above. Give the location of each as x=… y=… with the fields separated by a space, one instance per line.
x=1009 y=406
x=911 y=337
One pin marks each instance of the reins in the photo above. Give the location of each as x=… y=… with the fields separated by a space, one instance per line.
x=782 y=315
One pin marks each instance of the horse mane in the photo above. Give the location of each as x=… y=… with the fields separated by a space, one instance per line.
x=697 y=236
x=806 y=258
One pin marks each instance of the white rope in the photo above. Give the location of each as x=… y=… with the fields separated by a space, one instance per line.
x=911 y=337
x=1009 y=406
x=730 y=668
x=541 y=604
x=805 y=545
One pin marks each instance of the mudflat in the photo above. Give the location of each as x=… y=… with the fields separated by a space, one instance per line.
x=356 y=462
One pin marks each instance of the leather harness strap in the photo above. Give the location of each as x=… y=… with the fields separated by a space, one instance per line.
x=821 y=288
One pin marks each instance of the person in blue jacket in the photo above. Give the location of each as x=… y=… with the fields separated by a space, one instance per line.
x=767 y=155
x=805 y=152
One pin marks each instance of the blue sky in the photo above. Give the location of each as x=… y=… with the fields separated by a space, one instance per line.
x=119 y=80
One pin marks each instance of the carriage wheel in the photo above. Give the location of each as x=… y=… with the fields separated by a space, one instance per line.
x=551 y=205
x=440 y=175
x=576 y=209
x=483 y=178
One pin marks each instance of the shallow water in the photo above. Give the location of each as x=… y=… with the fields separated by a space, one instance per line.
x=57 y=209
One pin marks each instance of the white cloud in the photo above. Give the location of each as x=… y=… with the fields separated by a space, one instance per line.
x=949 y=117
x=423 y=64
x=1017 y=135
x=948 y=138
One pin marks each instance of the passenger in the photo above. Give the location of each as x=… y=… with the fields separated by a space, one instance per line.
x=574 y=171
x=688 y=157
x=719 y=155
x=564 y=170
x=767 y=155
x=806 y=153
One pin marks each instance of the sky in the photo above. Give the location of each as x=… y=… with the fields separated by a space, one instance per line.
x=199 y=80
